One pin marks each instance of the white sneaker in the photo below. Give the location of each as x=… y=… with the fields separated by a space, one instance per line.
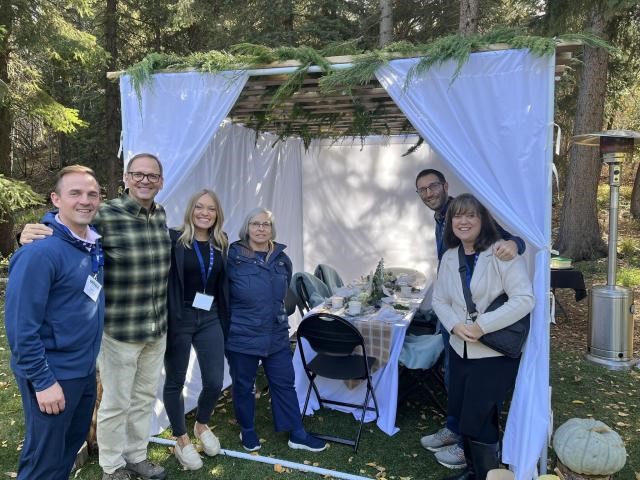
x=443 y=438
x=210 y=443
x=451 y=457
x=188 y=456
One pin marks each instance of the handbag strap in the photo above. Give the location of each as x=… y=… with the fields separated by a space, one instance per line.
x=471 y=307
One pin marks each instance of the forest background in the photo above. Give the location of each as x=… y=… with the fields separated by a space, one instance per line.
x=57 y=106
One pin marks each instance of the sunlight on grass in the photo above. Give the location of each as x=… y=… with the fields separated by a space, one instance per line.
x=629 y=247
x=628 y=277
x=217 y=471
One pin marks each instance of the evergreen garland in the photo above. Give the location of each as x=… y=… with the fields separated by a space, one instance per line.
x=246 y=55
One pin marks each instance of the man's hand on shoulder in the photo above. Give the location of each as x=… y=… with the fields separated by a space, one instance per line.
x=51 y=399
x=34 y=231
x=505 y=250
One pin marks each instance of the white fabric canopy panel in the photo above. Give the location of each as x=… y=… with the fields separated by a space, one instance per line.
x=489 y=132
x=493 y=126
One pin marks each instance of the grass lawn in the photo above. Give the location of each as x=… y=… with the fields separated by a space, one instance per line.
x=580 y=389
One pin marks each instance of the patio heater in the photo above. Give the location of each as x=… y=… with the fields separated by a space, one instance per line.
x=611 y=308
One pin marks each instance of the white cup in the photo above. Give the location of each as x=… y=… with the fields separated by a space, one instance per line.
x=355 y=307
x=405 y=291
x=337 y=302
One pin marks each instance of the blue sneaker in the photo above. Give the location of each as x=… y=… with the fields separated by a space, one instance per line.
x=250 y=441
x=307 y=442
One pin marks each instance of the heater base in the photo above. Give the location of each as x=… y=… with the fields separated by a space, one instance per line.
x=612 y=364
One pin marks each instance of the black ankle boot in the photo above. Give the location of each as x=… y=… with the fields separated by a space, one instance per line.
x=484 y=457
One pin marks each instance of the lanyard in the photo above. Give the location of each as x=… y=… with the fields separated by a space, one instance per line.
x=95 y=250
x=203 y=275
x=97 y=257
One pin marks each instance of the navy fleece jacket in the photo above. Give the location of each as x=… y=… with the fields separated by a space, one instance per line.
x=54 y=329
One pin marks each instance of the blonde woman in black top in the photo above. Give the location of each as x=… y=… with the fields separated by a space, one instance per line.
x=198 y=303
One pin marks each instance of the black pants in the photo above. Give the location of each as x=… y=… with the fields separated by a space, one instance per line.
x=202 y=330
x=477 y=390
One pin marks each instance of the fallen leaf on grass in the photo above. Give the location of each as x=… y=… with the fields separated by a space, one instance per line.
x=622 y=414
x=15 y=475
x=279 y=468
x=577 y=402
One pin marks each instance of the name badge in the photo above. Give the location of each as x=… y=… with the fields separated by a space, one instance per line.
x=92 y=288
x=202 y=301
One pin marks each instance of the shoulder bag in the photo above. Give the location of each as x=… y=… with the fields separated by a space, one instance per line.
x=508 y=340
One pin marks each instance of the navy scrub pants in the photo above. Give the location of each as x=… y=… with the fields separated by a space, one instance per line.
x=278 y=368
x=52 y=441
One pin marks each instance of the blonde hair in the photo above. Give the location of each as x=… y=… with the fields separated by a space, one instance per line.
x=73 y=169
x=216 y=235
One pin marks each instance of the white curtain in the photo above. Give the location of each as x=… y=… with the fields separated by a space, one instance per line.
x=492 y=127
x=360 y=205
x=176 y=118
x=246 y=172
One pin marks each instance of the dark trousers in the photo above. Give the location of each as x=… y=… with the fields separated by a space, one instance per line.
x=202 y=330
x=477 y=390
x=52 y=441
x=278 y=368
x=451 y=422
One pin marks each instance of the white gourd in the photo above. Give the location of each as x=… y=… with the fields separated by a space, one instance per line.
x=589 y=447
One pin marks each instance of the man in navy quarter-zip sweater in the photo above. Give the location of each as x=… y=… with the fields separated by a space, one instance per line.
x=54 y=317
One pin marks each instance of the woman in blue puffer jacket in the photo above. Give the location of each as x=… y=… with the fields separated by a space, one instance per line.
x=259 y=274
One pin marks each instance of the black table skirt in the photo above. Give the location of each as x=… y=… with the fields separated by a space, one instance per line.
x=569 y=278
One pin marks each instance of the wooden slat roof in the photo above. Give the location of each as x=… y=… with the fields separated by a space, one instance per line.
x=310 y=114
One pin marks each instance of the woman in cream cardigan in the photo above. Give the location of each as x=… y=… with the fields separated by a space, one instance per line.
x=481 y=378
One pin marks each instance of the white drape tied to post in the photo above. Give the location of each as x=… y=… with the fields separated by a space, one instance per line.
x=176 y=118
x=497 y=117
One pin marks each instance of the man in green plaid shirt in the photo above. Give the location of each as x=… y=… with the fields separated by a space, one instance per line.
x=137 y=252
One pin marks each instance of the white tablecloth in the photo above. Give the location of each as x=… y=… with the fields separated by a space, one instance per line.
x=385 y=382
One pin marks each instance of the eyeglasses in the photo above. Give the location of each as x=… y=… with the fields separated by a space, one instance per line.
x=432 y=187
x=139 y=176
x=257 y=225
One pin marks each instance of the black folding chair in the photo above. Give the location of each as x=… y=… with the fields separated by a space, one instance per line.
x=305 y=286
x=291 y=301
x=427 y=377
x=334 y=340
x=329 y=276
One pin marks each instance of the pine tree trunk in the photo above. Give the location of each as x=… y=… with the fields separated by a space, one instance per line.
x=386 y=23
x=111 y=165
x=579 y=235
x=7 y=242
x=635 y=195
x=468 y=16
